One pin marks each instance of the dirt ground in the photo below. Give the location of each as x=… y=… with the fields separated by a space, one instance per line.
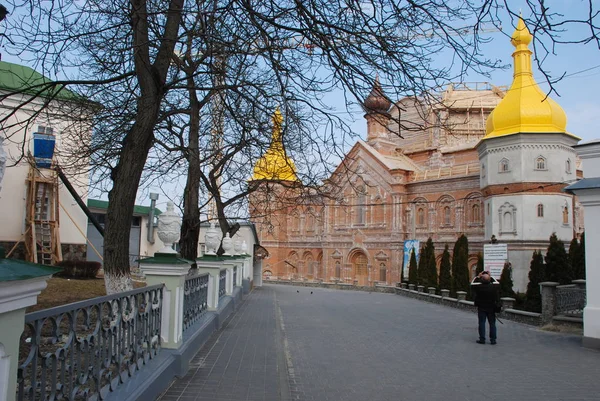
x=62 y=291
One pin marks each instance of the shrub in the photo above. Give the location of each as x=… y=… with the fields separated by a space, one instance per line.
x=537 y=274
x=78 y=269
x=412 y=268
x=557 y=261
x=506 y=282
x=460 y=265
x=445 y=270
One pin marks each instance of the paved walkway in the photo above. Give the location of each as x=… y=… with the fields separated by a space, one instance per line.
x=285 y=343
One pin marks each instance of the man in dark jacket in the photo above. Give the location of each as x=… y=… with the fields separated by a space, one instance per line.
x=487 y=297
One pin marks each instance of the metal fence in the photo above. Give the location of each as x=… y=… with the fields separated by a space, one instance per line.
x=235 y=269
x=85 y=350
x=222 y=282
x=570 y=300
x=195 y=299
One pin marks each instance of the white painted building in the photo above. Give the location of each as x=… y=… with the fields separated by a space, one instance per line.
x=24 y=114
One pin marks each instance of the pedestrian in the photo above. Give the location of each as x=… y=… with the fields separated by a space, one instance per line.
x=486 y=291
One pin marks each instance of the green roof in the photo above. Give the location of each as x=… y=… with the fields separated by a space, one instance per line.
x=21 y=79
x=14 y=270
x=137 y=209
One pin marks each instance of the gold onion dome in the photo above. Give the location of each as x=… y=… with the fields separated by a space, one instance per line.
x=525 y=108
x=274 y=164
x=377 y=101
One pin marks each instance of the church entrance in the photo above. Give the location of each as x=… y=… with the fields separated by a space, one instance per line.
x=360 y=267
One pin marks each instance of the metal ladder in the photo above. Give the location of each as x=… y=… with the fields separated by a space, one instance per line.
x=43 y=228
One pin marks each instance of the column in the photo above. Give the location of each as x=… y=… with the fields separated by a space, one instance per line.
x=171 y=270
x=211 y=265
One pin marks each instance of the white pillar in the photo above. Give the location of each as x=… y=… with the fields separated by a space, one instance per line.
x=229 y=264
x=170 y=270
x=211 y=265
x=16 y=295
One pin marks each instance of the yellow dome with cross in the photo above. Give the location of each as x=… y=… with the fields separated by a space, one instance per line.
x=525 y=108
x=275 y=164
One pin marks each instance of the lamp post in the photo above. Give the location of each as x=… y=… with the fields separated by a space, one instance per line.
x=153 y=199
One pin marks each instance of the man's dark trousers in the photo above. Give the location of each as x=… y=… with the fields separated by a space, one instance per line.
x=484 y=314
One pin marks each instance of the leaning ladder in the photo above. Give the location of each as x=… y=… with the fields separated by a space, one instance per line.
x=42 y=239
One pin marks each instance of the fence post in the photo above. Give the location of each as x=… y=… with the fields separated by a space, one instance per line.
x=579 y=283
x=229 y=264
x=461 y=295
x=211 y=265
x=420 y=288
x=171 y=270
x=16 y=294
x=507 y=303
x=548 y=290
x=431 y=290
x=445 y=293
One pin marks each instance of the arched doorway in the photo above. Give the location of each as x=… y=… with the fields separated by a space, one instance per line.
x=360 y=267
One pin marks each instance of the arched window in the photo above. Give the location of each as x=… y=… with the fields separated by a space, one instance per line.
x=360 y=264
x=565 y=215
x=338 y=269
x=420 y=217
x=568 y=166
x=476 y=211
x=382 y=272
x=507 y=221
x=310 y=221
x=361 y=206
x=540 y=210
x=447 y=216
x=540 y=163
x=483 y=171
x=504 y=166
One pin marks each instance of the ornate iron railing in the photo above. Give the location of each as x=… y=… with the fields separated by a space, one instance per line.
x=570 y=300
x=85 y=350
x=235 y=268
x=222 y=282
x=195 y=299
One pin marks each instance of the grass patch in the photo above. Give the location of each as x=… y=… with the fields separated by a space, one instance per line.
x=62 y=291
x=559 y=328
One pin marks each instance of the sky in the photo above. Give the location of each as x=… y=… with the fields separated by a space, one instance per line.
x=578 y=92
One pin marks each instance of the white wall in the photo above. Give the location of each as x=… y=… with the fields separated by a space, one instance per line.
x=18 y=140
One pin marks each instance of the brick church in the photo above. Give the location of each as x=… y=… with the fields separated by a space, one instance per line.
x=481 y=161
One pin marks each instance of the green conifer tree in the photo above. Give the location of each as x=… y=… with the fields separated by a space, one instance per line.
x=537 y=274
x=421 y=267
x=580 y=272
x=445 y=270
x=574 y=250
x=412 y=268
x=460 y=265
x=557 y=261
x=430 y=273
x=506 y=282
x=479 y=268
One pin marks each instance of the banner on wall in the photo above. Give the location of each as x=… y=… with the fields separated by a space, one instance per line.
x=409 y=245
x=494 y=257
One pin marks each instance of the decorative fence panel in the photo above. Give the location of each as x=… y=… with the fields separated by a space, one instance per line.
x=195 y=299
x=222 y=282
x=570 y=300
x=84 y=350
x=235 y=269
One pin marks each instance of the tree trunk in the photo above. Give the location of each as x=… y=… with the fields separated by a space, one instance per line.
x=137 y=142
x=190 y=227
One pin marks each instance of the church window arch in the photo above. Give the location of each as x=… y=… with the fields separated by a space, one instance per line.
x=540 y=210
x=382 y=272
x=476 y=213
x=483 y=171
x=565 y=214
x=447 y=217
x=508 y=218
x=421 y=216
x=445 y=211
x=338 y=269
x=568 y=166
x=361 y=206
x=540 y=163
x=295 y=222
x=310 y=221
x=504 y=166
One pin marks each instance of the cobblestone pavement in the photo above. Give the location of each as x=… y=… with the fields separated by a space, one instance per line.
x=288 y=344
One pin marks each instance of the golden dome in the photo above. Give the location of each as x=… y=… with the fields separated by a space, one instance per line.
x=525 y=108
x=274 y=164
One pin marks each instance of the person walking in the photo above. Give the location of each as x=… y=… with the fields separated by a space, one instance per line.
x=486 y=291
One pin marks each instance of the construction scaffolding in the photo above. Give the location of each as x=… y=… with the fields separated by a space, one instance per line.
x=42 y=233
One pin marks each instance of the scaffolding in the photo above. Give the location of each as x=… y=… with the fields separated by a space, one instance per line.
x=42 y=237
